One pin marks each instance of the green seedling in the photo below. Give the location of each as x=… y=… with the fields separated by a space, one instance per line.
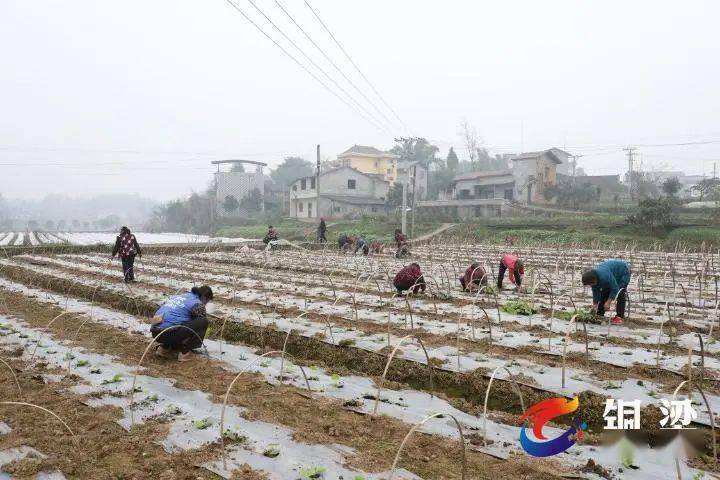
x=627 y=454
x=82 y=363
x=202 y=424
x=518 y=307
x=69 y=356
x=173 y=410
x=234 y=436
x=115 y=379
x=313 y=472
x=336 y=380
x=265 y=363
x=152 y=398
x=272 y=450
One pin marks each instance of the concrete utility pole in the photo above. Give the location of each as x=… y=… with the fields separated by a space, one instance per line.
x=317 y=184
x=403 y=225
x=414 y=200
x=574 y=164
x=630 y=155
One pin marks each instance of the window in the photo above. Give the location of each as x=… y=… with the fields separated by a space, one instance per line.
x=309 y=209
x=464 y=193
x=389 y=171
x=312 y=183
x=508 y=194
x=295 y=188
x=477 y=191
x=300 y=206
x=303 y=184
x=351 y=184
x=374 y=209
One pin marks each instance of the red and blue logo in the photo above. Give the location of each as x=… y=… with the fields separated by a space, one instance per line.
x=541 y=413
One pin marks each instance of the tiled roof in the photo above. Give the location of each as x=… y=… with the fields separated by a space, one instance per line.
x=483 y=174
x=363 y=150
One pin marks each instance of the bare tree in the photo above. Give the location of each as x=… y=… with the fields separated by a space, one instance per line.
x=471 y=138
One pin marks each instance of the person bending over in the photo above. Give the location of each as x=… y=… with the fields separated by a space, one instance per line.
x=187 y=311
x=609 y=281
x=473 y=278
x=361 y=244
x=410 y=278
x=515 y=268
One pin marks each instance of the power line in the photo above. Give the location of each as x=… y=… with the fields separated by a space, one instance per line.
x=288 y=54
x=354 y=64
x=318 y=67
x=332 y=62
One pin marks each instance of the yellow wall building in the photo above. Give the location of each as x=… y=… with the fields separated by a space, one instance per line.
x=369 y=160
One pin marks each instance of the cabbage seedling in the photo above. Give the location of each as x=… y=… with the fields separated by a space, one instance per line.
x=313 y=472
x=115 y=379
x=202 y=424
x=272 y=450
x=82 y=363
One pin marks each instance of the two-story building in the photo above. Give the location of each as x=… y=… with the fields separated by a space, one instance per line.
x=343 y=190
x=369 y=160
x=415 y=175
x=496 y=193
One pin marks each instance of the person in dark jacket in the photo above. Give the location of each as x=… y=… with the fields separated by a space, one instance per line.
x=188 y=312
x=127 y=247
x=473 y=278
x=361 y=243
x=410 y=278
x=609 y=281
x=401 y=243
x=515 y=268
x=345 y=241
x=322 y=230
x=271 y=235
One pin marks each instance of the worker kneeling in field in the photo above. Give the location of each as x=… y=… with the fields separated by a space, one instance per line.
x=410 y=278
x=473 y=278
x=609 y=281
x=515 y=268
x=188 y=313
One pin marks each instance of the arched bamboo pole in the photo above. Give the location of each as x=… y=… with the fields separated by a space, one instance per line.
x=487 y=396
x=387 y=367
x=12 y=372
x=44 y=410
x=414 y=428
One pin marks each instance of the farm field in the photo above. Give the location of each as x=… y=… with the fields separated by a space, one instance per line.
x=93 y=238
x=314 y=368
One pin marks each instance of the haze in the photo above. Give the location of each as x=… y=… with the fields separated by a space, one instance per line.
x=139 y=97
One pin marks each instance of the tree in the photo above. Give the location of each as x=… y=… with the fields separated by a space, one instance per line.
x=472 y=140
x=415 y=149
x=230 y=204
x=49 y=225
x=253 y=201
x=653 y=213
x=708 y=187
x=671 y=186
x=291 y=169
x=61 y=225
x=572 y=194
x=452 y=161
x=238 y=168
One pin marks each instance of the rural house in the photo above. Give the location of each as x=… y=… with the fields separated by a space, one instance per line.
x=369 y=160
x=343 y=191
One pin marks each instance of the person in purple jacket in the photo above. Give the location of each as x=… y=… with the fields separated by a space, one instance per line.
x=609 y=281
x=188 y=311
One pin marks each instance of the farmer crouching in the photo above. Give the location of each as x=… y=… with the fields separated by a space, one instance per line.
x=187 y=312
x=410 y=278
x=609 y=281
x=473 y=278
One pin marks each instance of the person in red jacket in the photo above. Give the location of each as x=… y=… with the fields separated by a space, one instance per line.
x=410 y=278
x=515 y=268
x=474 y=277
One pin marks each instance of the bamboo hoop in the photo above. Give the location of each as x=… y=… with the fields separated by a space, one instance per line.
x=414 y=428
x=44 y=410
x=487 y=396
x=12 y=372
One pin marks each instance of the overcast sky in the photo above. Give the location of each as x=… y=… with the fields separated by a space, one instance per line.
x=139 y=96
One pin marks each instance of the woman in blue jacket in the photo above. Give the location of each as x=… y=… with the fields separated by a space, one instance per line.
x=187 y=310
x=609 y=281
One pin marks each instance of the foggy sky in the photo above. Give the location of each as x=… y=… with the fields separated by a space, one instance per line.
x=139 y=96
